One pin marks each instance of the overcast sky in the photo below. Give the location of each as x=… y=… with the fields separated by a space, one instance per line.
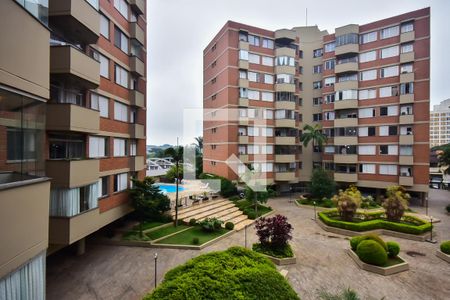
x=179 y=30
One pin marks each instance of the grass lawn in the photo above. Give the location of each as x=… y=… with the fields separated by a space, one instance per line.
x=156 y=234
x=133 y=235
x=248 y=207
x=149 y=225
x=186 y=237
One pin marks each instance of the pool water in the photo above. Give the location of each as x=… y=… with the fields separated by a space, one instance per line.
x=168 y=188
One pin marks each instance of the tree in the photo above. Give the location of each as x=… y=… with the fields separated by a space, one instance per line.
x=199 y=143
x=256 y=197
x=347 y=202
x=322 y=184
x=177 y=155
x=313 y=134
x=148 y=201
x=274 y=232
x=444 y=158
x=171 y=175
x=396 y=202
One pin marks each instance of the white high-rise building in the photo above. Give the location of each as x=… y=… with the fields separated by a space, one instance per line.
x=440 y=124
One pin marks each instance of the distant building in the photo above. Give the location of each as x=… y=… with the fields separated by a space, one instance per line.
x=440 y=124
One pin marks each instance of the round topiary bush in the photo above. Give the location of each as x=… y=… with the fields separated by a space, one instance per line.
x=371 y=252
x=354 y=241
x=445 y=247
x=192 y=222
x=251 y=215
x=195 y=241
x=229 y=225
x=393 y=249
x=357 y=239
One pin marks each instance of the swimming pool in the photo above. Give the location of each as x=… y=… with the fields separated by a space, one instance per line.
x=169 y=188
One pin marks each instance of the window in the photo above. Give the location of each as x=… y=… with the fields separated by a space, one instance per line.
x=243 y=93
x=267 y=61
x=318 y=52
x=100 y=103
x=366 y=150
x=104 y=26
x=317 y=101
x=300 y=70
x=253 y=95
x=330 y=98
x=328 y=149
x=243 y=36
x=213 y=80
x=388 y=149
x=253 y=58
x=97 y=147
x=407 y=88
x=266 y=131
x=406 y=130
x=368 y=37
x=367 y=56
x=253 y=131
x=367 y=168
x=317 y=85
x=407 y=27
x=120 y=112
x=329 y=115
x=104 y=66
x=349 y=38
x=285 y=61
x=252 y=76
x=388 y=169
x=389 y=72
x=406 y=110
x=243 y=54
x=366 y=131
x=406 y=68
x=366 y=112
x=389 y=110
x=390 y=52
x=407 y=48
x=317 y=117
x=268 y=114
x=300 y=53
x=346 y=95
x=242 y=74
x=267 y=43
x=268 y=78
x=330 y=47
x=389 y=32
x=285 y=78
x=133 y=114
x=267 y=96
x=329 y=64
x=329 y=81
x=103 y=186
x=133 y=148
x=120 y=182
x=348 y=77
x=367 y=94
x=317 y=69
x=120 y=147
x=368 y=75
x=121 y=76
x=122 y=7
x=405 y=171
x=388 y=91
x=253 y=40
x=406 y=150
x=61 y=146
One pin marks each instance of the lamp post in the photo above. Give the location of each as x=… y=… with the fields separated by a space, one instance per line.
x=430 y=240
x=156 y=268
x=314 y=203
x=245 y=236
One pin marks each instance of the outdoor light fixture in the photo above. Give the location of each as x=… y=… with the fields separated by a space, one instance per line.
x=430 y=240
x=156 y=268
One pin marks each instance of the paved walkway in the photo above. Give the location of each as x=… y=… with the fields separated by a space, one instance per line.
x=111 y=272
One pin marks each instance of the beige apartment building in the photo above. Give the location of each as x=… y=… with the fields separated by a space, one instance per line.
x=440 y=124
x=366 y=85
x=72 y=127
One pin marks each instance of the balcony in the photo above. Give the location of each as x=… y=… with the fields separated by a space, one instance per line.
x=406 y=119
x=137 y=33
x=243 y=101
x=346 y=177
x=137 y=163
x=72 y=173
x=407 y=98
x=285 y=34
x=285 y=140
x=346 y=104
x=285 y=70
x=138 y=6
x=406 y=139
x=407 y=37
x=285 y=105
x=346 y=67
x=344 y=49
x=346 y=85
x=137 y=98
x=75 y=18
x=71 y=117
x=285 y=176
x=24 y=210
x=243 y=139
x=137 y=66
x=347 y=122
x=285 y=87
x=406 y=181
x=75 y=66
x=243 y=83
x=285 y=158
x=244 y=158
x=406 y=57
x=407 y=77
x=244 y=45
x=285 y=51
x=243 y=64
x=345 y=158
x=285 y=123
x=406 y=160
x=67 y=230
x=137 y=131
x=345 y=140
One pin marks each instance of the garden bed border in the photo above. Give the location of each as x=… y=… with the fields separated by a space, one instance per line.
x=192 y=247
x=385 y=271
x=443 y=256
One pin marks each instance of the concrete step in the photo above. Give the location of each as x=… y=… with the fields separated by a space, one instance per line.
x=203 y=214
x=199 y=206
x=241 y=225
x=230 y=216
x=200 y=209
x=238 y=219
x=221 y=214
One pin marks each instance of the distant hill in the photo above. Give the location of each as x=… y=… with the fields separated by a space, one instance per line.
x=157 y=151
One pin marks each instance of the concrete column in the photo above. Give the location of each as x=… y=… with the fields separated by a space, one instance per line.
x=81 y=246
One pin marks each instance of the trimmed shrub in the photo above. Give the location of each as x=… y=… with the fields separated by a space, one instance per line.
x=229 y=225
x=354 y=241
x=393 y=249
x=371 y=252
x=211 y=224
x=396 y=202
x=251 y=215
x=218 y=224
x=192 y=222
x=448 y=208
x=195 y=241
x=445 y=247
x=234 y=198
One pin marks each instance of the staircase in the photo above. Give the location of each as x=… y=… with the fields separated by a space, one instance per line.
x=222 y=209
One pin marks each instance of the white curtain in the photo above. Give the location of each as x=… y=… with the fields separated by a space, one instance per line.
x=91 y=194
x=64 y=202
x=28 y=282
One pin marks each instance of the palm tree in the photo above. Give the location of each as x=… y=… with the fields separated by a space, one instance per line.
x=313 y=134
x=176 y=153
x=199 y=143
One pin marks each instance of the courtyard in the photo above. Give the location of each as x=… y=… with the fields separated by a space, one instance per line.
x=118 y=272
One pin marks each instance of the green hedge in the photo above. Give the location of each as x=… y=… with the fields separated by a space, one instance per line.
x=445 y=247
x=236 y=273
x=376 y=224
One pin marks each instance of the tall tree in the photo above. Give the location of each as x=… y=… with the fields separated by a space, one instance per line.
x=148 y=201
x=199 y=143
x=444 y=158
x=176 y=153
x=313 y=134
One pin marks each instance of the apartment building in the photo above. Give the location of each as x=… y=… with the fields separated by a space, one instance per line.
x=366 y=85
x=440 y=124
x=72 y=127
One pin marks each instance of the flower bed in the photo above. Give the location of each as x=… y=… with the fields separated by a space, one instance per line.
x=393 y=265
x=279 y=257
x=375 y=220
x=188 y=237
